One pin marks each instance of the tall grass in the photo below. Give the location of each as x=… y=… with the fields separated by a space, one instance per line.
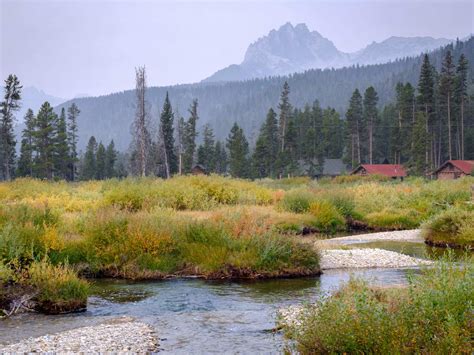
x=452 y=227
x=58 y=287
x=433 y=315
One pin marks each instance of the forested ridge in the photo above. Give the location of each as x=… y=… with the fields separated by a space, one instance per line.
x=221 y=104
x=426 y=123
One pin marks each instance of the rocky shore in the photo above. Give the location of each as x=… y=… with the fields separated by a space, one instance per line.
x=413 y=235
x=117 y=335
x=367 y=258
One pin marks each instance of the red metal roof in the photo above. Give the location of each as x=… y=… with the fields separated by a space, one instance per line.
x=466 y=166
x=390 y=170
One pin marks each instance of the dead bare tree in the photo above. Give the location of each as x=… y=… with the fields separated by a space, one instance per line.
x=140 y=124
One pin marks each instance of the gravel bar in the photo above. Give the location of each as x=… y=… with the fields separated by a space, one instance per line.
x=413 y=235
x=117 y=335
x=367 y=258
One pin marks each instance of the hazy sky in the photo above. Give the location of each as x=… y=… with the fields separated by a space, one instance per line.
x=75 y=47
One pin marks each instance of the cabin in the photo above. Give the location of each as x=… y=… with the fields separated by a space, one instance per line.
x=331 y=168
x=454 y=169
x=393 y=171
x=198 y=169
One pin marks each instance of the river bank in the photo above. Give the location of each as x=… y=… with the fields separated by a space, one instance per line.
x=117 y=335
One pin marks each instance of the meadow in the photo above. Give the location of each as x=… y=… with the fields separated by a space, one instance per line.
x=55 y=234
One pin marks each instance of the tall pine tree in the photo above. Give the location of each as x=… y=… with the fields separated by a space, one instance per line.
x=61 y=148
x=354 y=117
x=167 y=134
x=110 y=159
x=89 y=164
x=190 y=135
x=25 y=163
x=446 y=93
x=10 y=104
x=100 y=162
x=45 y=139
x=285 y=114
x=461 y=98
x=426 y=100
x=72 y=136
x=370 y=119
x=206 y=152
x=238 y=152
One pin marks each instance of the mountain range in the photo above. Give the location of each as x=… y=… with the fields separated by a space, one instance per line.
x=247 y=102
x=292 y=49
x=221 y=103
x=32 y=97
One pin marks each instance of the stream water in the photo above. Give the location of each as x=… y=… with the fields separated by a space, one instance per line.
x=197 y=316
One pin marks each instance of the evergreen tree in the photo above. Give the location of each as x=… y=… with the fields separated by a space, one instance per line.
x=100 y=162
x=354 y=117
x=190 y=137
x=110 y=159
x=10 y=104
x=45 y=139
x=384 y=142
x=238 y=152
x=72 y=136
x=89 y=164
x=370 y=119
x=426 y=100
x=446 y=91
x=167 y=131
x=402 y=140
x=220 y=158
x=417 y=163
x=289 y=157
x=206 y=152
x=180 y=138
x=461 y=98
x=61 y=148
x=285 y=114
x=267 y=147
x=25 y=163
x=309 y=132
x=333 y=132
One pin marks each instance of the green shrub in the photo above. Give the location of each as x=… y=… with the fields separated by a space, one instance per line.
x=327 y=217
x=59 y=288
x=22 y=243
x=433 y=315
x=6 y=273
x=454 y=226
x=126 y=196
x=297 y=201
x=392 y=219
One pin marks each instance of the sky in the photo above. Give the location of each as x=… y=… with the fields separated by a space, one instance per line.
x=76 y=47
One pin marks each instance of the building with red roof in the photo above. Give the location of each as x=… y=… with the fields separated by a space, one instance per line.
x=394 y=171
x=454 y=169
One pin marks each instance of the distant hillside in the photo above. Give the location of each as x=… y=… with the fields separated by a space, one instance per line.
x=33 y=98
x=222 y=104
x=296 y=49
